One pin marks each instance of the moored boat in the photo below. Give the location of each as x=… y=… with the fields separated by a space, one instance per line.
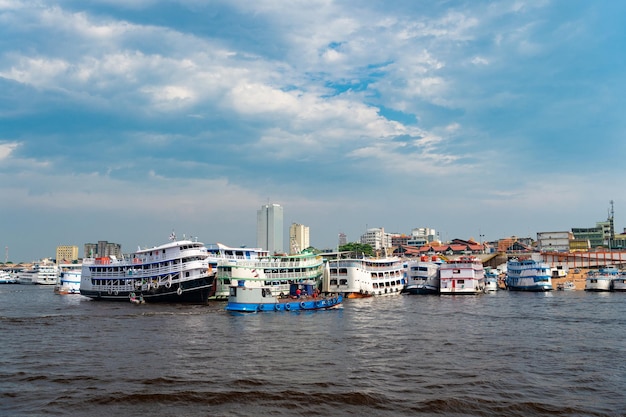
x=422 y=276
x=43 y=272
x=465 y=275
x=220 y=253
x=364 y=277
x=528 y=275
x=7 y=278
x=600 y=279
x=619 y=282
x=275 y=272
x=491 y=279
x=566 y=286
x=177 y=271
x=246 y=297
x=69 y=281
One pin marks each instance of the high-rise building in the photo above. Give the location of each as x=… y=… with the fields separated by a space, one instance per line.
x=102 y=249
x=343 y=239
x=66 y=254
x=298 y=237
x=269 y=228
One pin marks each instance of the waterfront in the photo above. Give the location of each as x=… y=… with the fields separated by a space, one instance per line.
x=512 y=354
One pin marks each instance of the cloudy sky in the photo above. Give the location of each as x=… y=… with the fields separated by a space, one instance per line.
x=124 y=120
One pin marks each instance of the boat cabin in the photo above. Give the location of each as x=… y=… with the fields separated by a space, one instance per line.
x=302 y=289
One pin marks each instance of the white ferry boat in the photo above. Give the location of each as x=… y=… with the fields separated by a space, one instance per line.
x=601 y=279
x=364 y=277
x=69 y=279
x=177 y=271
x=465 y=275
x=44 y=272
x=422 y=276
x=7 y=278
x=491 y=279
x=274 y=272
x=528 y=275
x=219 y=253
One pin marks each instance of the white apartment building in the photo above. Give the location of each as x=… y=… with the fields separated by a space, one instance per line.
x=376 y=238
x=554 y=241
x=422 y=236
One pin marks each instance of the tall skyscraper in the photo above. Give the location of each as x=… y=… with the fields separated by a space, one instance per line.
x=269 y=228
x=298 y=237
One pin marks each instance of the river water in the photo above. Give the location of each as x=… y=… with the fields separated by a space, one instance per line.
x=502 y=354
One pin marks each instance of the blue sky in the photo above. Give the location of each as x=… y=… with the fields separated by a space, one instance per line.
x=123 y=122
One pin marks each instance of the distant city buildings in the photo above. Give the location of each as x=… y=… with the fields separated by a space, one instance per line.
x=269 y=228
x=554 y=241
x=66 y=254
x=102 y=249
x=298 y=237
x=343 y=239
x=376 y=238
x=422 y=236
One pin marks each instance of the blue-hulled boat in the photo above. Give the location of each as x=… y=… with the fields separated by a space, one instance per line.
x=302 y=297
x=528 y=275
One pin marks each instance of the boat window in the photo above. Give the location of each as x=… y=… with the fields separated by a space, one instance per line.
x=461 y=281
x=333 y=282
x=343 y=282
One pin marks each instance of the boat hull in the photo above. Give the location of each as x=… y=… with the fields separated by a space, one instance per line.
x=530 y=288
x=420 y=290
x=193 y=291
x=308 y=305
x=619 y=285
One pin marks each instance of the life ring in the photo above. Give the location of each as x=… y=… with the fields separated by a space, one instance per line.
x=109 y=291
x=287 y=307
x=179 y=291
x=155 y=285
x=116 y=292
x=168 y=284
x=276 y=306
x=302 y=305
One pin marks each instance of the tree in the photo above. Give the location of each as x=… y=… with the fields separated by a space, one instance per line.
x=358 y=249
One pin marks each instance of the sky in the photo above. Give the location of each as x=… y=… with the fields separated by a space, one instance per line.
x=124 y=121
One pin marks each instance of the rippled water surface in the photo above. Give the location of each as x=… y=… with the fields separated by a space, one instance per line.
x=502 y=354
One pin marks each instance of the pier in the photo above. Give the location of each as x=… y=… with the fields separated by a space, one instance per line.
x=585 y=259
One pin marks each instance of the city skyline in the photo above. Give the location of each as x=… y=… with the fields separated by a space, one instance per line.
x=126 y=120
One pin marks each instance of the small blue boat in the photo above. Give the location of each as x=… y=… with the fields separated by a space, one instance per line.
x=302 y=297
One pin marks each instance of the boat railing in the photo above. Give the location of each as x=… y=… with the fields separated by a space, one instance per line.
x=263 y=264
x=130 y=272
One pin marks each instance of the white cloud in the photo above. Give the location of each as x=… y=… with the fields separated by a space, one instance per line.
x=6 y=149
